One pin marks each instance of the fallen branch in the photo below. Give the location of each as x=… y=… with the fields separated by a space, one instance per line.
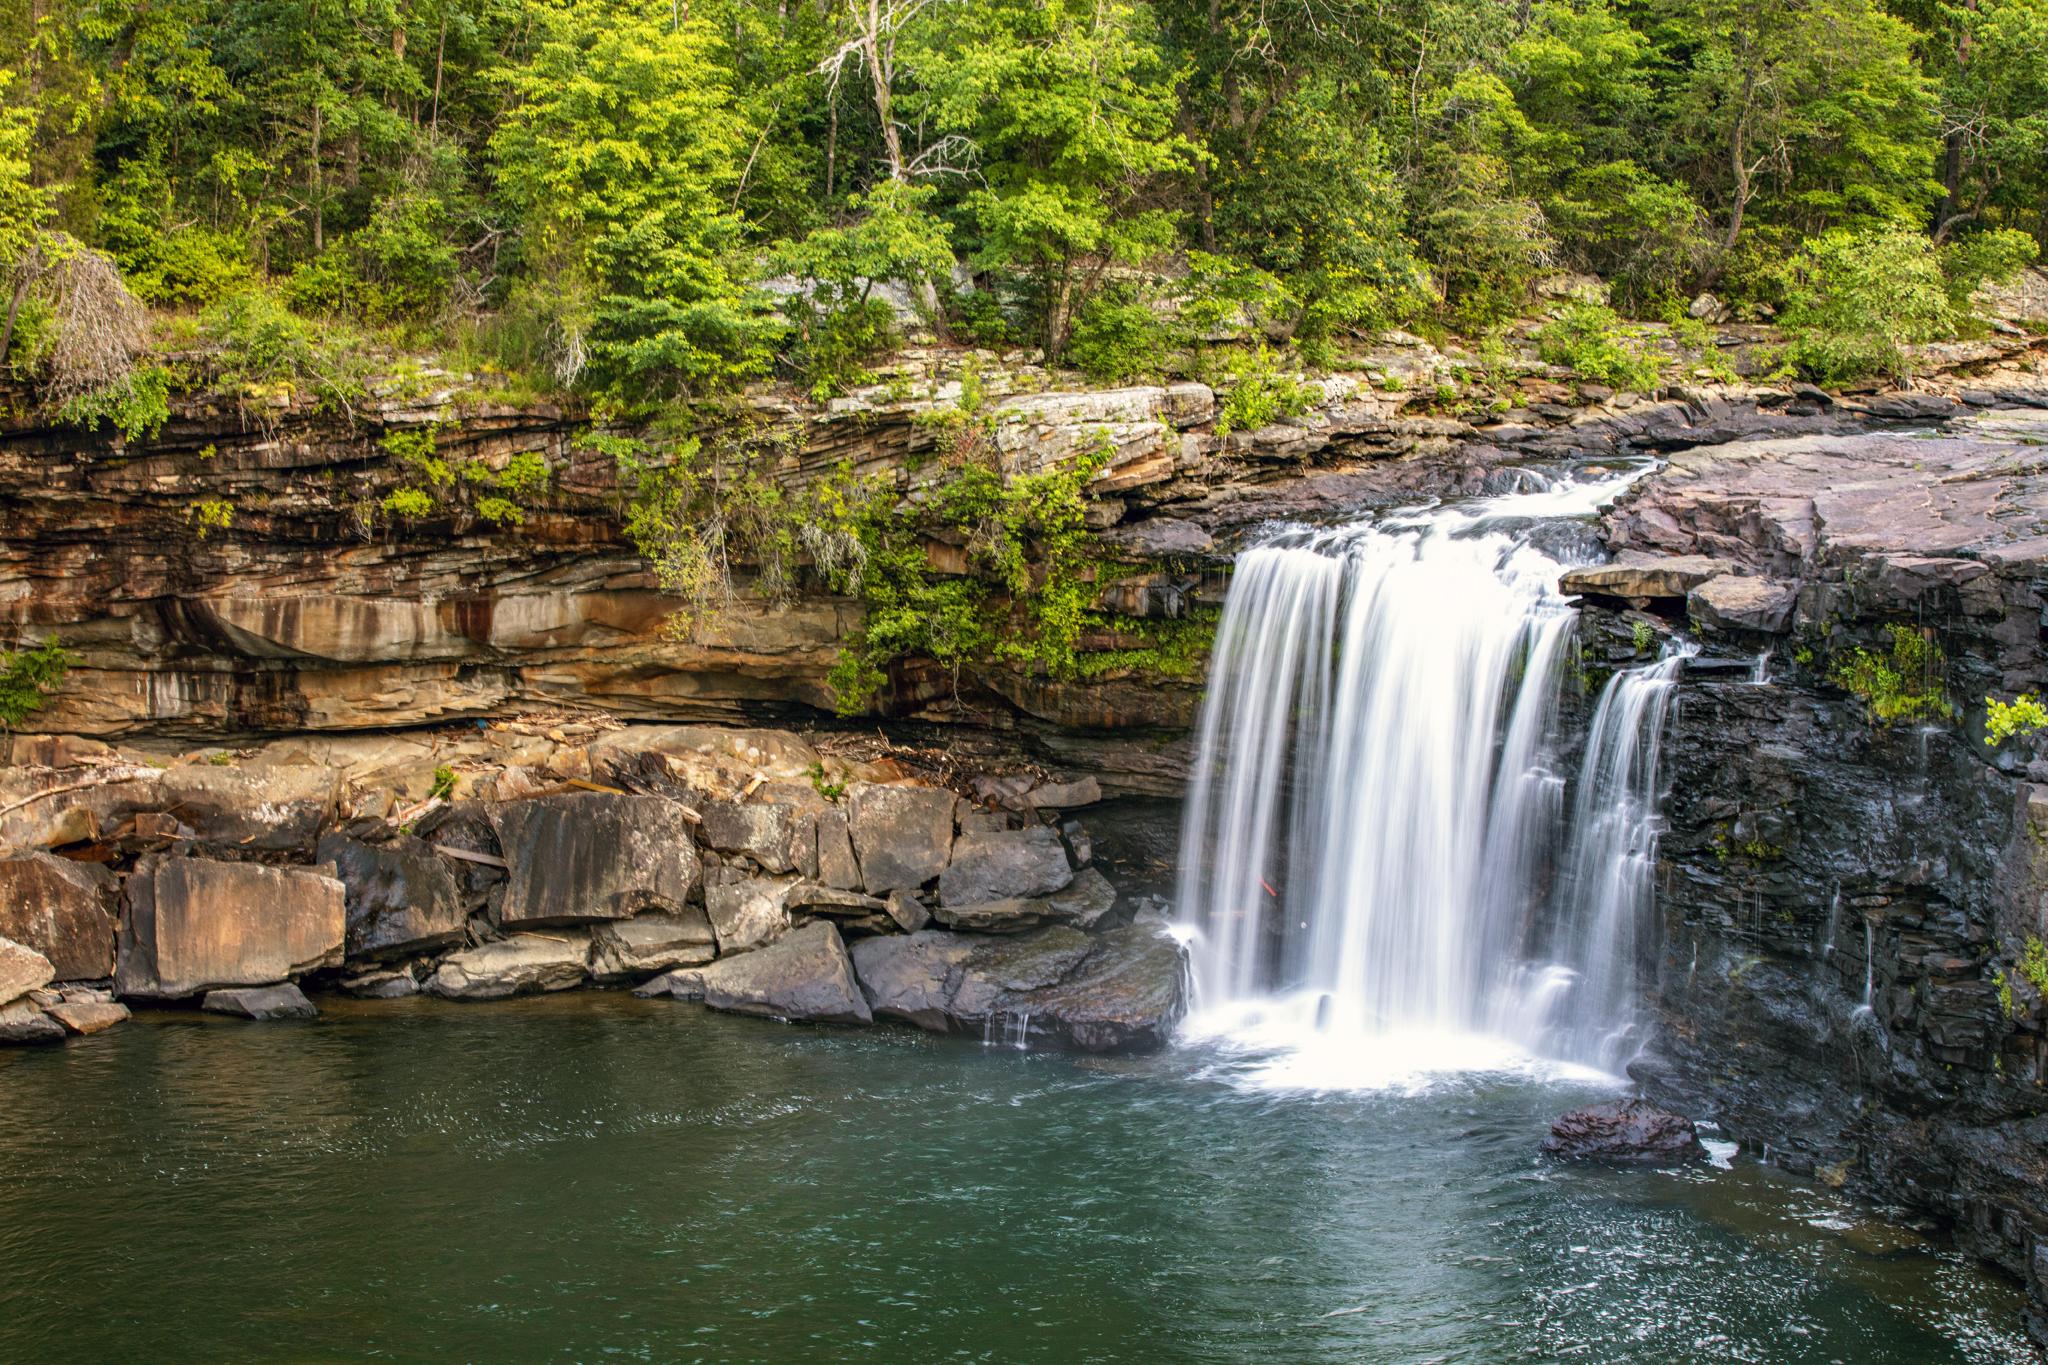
x=488 y=860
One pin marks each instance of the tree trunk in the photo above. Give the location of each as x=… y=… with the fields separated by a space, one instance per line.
x=14 y=308
x=314 y=187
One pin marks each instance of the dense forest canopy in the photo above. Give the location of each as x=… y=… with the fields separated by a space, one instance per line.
x=594 y=193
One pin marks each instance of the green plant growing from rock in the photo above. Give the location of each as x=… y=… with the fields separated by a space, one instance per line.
x=831 y=791
x=210 y=515
x=2023 y=715
x=1902 y=684
x=443 y=787
x=28 y=677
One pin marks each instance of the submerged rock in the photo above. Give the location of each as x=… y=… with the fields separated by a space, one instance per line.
x=1625 y=1131
x=261 y=1003
x=520 y=964
x=804 y=975
x=194 y=924
x=1117 y=992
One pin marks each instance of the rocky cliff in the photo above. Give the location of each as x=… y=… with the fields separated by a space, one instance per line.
x=1852 y=880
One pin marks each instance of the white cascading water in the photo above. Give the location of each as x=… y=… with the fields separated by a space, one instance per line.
x=1373 y=817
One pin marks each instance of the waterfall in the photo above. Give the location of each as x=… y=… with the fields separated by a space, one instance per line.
x=1374 y=817
x=1603 y=894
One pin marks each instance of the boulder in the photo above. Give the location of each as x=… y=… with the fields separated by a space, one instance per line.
x=747 y=914
x=22 y=969
x=903 y=836
x=592 y=857
x=836 y=864
x=57 y=907
x=1086 y=902
x=24 y=1022
x=804 y=975
x=519 y=964
x=766 y=831
x=1121 y=991
x=994 y=865
x=194 y=924
x=262 y=1003
x=1630 y=1131
x=640 y=947
x=1731 y=602
x=401 y=896
x=84 y=1017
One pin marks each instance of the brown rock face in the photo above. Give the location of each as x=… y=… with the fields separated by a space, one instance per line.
x=22 y=970
x=55 y=906
x=194 y=924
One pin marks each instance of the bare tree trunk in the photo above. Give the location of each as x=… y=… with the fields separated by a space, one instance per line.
x=13 y=309
x=314 y=187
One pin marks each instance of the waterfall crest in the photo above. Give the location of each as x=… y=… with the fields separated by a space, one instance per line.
x=1374 y=822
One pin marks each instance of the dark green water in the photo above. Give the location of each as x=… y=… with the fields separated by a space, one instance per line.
x=592 y=1177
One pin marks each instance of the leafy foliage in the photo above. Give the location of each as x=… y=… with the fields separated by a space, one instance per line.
x=1901 y=684
x=1590 y=340
x=28 y=677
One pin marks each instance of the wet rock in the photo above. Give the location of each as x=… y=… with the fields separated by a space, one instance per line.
x=1012 y=915
x=194 y=924
x=747 y=914
x=991 y=865
x=684 y=983
x=804 y=975
x=767 y=832
x=1730 y=602
x=903 y=836
x=381 y=985
x=401 y=896
x=57 y=907
x=647 y=944
x=1117 y=992
x=519 y=964
x=261 y=1003
x=1624 y=1131
x=1084 y=791
x=836 y=864
x=24 y=1022
x=592 y=857
x=22 y=969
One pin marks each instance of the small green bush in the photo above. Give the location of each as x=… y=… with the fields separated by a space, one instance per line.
x=1858 y=300
x=2023 y=715
x=1117 y=338
x=1904 y=684
x=1590 y=340
x=137 y=407
x=1261 y=393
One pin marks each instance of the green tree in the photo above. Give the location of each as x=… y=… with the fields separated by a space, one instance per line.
x=619 y=158
x=1072 y=108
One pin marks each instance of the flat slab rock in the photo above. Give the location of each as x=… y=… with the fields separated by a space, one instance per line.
x=993 y=865
x=56 y=907
x=194 y=924
x=262 y=1003
x=84 y=1017
x=1627 y=1131
x=1122 y=991
x=594 y=856
x=518 y=964
x=24 y=1022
